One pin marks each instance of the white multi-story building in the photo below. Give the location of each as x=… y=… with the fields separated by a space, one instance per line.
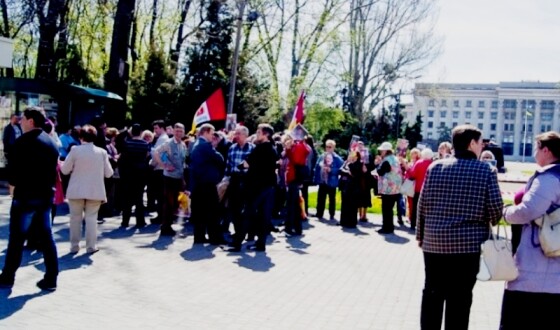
x=510 y=113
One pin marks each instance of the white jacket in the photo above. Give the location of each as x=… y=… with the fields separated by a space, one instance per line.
x=87 y=165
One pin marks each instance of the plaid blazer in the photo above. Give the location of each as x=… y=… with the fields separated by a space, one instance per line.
x=458 y=201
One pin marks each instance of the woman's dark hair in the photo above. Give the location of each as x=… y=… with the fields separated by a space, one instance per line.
x=463 y=135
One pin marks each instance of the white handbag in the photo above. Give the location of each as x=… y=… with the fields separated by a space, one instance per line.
x=549 y=233
x=496 y=259
x=407 y=188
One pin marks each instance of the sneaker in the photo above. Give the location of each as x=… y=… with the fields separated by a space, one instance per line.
x=92 y=250
x=6 y=282
x=46 y=285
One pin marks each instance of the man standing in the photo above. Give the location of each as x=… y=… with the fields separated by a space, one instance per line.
x=205 y=172
x=133 y=170
x=326 y=176
x=155 y=186
x=459 y=201
x=236 y=192
x=260 y=183
x=32 y=169
x=11 y=132
x=171 y=156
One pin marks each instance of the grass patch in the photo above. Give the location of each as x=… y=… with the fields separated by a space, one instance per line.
x=375 y=202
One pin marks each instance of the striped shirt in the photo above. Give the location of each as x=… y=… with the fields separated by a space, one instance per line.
x=459 y=200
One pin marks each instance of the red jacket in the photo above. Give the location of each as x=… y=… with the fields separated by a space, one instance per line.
x=418 y=173
x=297 y=156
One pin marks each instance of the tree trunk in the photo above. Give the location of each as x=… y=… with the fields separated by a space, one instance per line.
x=153 y=23
x=62 y=45
x=117 y=77
x=48 y=29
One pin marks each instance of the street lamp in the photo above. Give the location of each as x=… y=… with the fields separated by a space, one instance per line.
x=527 y=113
x=233 y=76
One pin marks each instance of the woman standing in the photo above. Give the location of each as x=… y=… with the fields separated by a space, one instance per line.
x=389 y=182
x=88 y=166
x=352 y=174
x=531 y=301
x=418 y=173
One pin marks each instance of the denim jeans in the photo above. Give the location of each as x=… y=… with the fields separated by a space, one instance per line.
x=22 y=213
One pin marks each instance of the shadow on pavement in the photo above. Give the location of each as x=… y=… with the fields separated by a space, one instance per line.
x=396 y=239
x=160 y=244
x=296 y=244
x=11 y=305
x=198 y=252
x=259 y=262
x=73 y=261
x=355 y=231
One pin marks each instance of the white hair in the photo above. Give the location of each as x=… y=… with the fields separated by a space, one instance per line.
x=427 y=153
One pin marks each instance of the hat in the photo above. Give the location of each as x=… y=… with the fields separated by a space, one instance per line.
x=385 y=146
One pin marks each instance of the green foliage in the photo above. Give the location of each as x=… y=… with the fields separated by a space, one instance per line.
x=342 y=134
x=72 y=69
x=153 y=90
x=252 y=98
x=208 y=60
x=414 y=133
x=320 y=119
x=444 y=134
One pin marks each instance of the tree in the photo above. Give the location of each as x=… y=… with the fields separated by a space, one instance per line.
x=414 y=133
x=208 y=61
x=321 y=119
x=48 y=29
x=444 y=133
x=14 y=16
x=389 y=40
x=154 y=92
x=117 y=76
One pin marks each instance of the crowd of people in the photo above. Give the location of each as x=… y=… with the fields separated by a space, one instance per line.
x=242 y=180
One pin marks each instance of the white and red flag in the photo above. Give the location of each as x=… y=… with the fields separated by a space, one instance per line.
x=214 y=108
x=299 y=114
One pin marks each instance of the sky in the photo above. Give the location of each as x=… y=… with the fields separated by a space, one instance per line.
x=489 y=41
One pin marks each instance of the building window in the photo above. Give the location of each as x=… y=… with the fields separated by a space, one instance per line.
x=468 y=115
x=480 y=126
x=430 y=124
x=508 y=127
x=493 y=115
x=443 y=114
x=494 y=104
x=469 y=104
x=480 y=115
x=456 y=103
x=431 y=103
x=430 y=113
x=492 y=127
x=455 y=114
x=481 y=104
x=430 y=135
x=546 y=116
x=547 y=105
x=510 y=104
x=454 y=124
x=444 y=103
x=509 y=115
x=546 y=128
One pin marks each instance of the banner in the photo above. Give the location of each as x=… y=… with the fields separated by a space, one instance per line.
x=214 y=108
x=299 y=114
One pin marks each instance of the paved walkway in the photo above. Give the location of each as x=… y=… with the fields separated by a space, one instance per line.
x=327 y=279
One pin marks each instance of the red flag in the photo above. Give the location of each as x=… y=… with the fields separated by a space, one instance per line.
x=214 y=108
x=299 y=114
